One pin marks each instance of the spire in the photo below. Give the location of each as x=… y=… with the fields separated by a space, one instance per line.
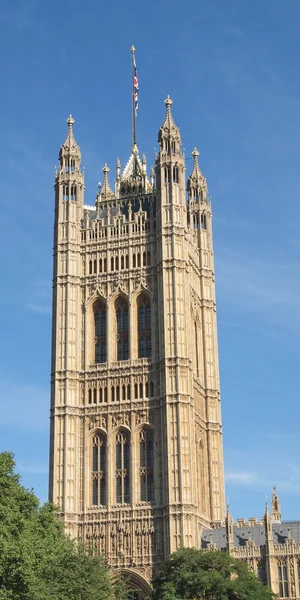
x=70 y=149
x=276 y=508
x=229 y=530
x=105 y=192
x=169 y=121
x=196 y=182
x=169 y=130
x=268 y=529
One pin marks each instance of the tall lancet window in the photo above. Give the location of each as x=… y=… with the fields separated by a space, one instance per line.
x=122 y=317
x=122 y=467
x=283 y=580
x=99 y=470
x=146 y=465
x=144 y=326
x=100 y=331
x=196 y=347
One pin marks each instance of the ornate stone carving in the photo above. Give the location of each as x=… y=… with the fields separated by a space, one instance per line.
x=98 y=421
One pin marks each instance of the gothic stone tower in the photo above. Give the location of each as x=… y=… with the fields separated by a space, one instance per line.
x=136 y=461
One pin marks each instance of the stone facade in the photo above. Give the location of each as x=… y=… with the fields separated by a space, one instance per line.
x=271 y=547
x=136 y=461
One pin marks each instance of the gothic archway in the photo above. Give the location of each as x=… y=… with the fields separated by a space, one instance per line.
x=137 y=583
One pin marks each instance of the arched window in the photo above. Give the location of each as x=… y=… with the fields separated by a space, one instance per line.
x=201 y=480
x=144 y=326
x=196 y=347
x=122 y=329
x=100 y=331
x=283 y=580
x=146 y=465
x=99 y=469
x=122 y=467
x=261 y=572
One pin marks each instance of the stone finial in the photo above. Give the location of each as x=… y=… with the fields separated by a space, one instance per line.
x=168 y=102
x=196 y=180
x=70 y=148
x=70 y=134
x=276 y=508
x=70 y=122
x=143 y=159
x=169 y=121
x=152 y=176
x=195 y=155
x=106 y=191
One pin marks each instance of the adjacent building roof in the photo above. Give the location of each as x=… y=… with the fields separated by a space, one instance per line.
x=254 y=533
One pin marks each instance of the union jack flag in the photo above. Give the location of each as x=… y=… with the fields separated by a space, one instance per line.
x=135 y=87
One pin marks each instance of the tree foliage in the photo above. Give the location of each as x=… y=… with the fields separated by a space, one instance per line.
x=37 y=560
x=198 y=574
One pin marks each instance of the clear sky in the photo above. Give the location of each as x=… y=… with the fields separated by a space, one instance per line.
x=232 y=70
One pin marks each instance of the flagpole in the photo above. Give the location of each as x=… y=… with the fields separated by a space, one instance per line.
x=133 y=99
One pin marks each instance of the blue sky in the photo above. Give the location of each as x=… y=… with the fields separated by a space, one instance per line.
x=231 y=69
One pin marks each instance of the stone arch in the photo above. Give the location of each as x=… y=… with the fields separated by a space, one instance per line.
x=137 y=582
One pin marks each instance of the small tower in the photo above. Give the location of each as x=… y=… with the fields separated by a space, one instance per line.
x=170 y=173
x=276 y=508
x=66 y=323
x=229 y=530
x=199 y=209
x=271 y=563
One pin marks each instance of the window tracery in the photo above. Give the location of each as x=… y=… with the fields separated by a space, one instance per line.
x=100 y=331
x=99 y=469
x=122 y=467
x=146 y=465
x=122 y=317
x=144 y=326
x=283 y=580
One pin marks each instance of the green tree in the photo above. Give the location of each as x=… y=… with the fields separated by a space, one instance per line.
x=37 y=560
x=198 y=574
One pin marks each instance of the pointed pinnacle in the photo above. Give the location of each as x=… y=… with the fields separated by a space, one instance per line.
x=70 y=122
x=168 y=102
x=105 y=172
